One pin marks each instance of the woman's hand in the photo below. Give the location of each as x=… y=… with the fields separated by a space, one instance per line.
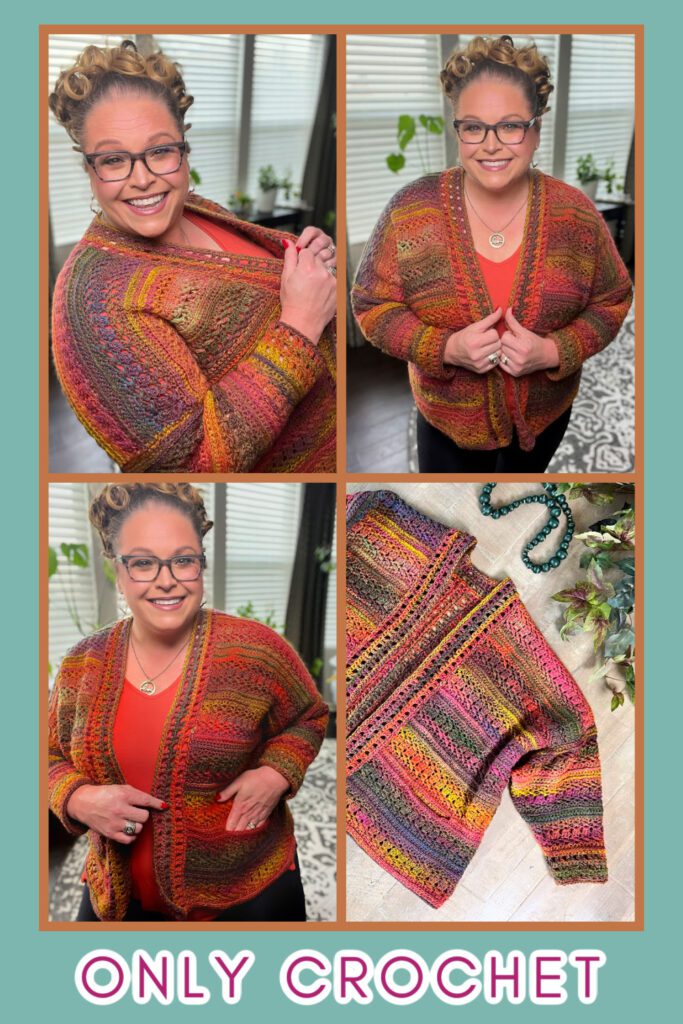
x=319 y=244
x=523 y=352
x=255 y=792
x=107 y=809
x=308 y=292
x=471 y=347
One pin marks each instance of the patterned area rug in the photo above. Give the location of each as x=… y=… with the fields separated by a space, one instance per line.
x=600 y=437
x=315 y=816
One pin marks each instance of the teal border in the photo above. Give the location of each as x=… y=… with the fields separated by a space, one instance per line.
x=640 y=972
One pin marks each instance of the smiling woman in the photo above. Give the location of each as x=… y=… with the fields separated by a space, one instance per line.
x=178 y=734
x=493 y=281
x=183 y=337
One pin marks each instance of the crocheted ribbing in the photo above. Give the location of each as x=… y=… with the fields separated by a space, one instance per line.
x=176 y=358
x=420 y=280
x=452 y=695
x=245 y=700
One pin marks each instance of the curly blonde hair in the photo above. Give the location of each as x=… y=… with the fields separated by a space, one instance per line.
x=115 y=502
x=485 y=57
x=98 y=71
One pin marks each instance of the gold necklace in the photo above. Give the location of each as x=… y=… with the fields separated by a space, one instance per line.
x=147 y=685
x=496 y=238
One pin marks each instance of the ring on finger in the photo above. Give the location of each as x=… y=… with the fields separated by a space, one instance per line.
x=331 y=248
x=130 y=828
x=331 y=270
x=504 y=360
x=493 y=358
x=252 y=824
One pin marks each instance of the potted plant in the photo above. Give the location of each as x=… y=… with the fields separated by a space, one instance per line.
x=240 y=203
x=590 y=175
x=406 y=130
x=268 y=184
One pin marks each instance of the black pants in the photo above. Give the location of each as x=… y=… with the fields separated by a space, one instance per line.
x=438 y=454
x=282 y=900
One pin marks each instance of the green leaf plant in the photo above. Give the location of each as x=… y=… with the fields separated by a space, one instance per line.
x=407 y=130
x=602 y=602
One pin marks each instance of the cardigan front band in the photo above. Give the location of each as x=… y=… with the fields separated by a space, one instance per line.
x=176 y=358
x=453 y=694
x=245 y=699
x=419 y=281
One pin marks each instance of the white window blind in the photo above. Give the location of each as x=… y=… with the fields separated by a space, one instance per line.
x=73 y=590
x=212 y=70
x=387 y=76
x=601 y=101
x=548 y=46
x=69 y=186
x=262 y=528
x=286 y=86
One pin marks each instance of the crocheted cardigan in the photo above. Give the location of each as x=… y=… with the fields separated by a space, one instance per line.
x=419 y=280
x=453 y=694
x=245 y=700
x=176 y=358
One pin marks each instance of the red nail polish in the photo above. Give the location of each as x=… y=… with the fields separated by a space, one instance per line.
x=284 y=242
x=164 y=806
x=217 y=797
x=298 y=248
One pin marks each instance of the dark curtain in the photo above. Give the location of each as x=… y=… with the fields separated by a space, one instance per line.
x=305 y=619
x=319 y=187
x=627 y=243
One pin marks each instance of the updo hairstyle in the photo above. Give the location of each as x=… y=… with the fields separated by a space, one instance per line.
x=99 y=71
x=499 y=58
x=115 y=502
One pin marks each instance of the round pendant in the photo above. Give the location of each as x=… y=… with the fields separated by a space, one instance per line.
x=148 y=687
x=496 y=240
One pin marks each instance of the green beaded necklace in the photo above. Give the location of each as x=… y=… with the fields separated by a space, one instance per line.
x=557 y=505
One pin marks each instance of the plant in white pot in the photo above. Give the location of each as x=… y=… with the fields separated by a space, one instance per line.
x=590 y=176
x=268 y=185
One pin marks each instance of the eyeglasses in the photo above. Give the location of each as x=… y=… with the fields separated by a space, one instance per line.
x=146 y=568
x=118 y=164
x=510 y=133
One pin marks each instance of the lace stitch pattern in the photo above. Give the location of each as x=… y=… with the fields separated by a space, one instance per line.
x=454 y=694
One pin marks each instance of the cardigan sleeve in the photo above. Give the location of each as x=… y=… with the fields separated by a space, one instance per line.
x=599 y=323
x=557 y=786
x=140 y=390
x=379 y=304
x=63 y=777
x=298 y=715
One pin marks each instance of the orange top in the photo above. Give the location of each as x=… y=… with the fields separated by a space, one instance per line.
x=229 y=241
x=138 y=727
x=499 y=278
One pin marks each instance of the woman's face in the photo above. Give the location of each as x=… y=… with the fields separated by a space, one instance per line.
x=491 y=164
x=164 y=606
x=144 y=204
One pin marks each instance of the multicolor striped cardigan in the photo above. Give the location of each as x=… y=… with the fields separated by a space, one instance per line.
x=176 y=358
x=245 y=700
x=419 y=281
x=452 y=695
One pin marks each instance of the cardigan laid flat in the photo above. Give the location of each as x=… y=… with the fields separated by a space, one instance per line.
x=245 y=699
x=453 y=694
x=419 y=281
x=176 y=358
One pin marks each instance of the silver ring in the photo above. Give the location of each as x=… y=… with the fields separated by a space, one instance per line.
x=129 y=828
x=504 y=360
x=493 y=358
x=332 y=248
x=251 y=824
x=331 y=270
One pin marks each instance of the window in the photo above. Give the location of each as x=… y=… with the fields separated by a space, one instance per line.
x=387 y=76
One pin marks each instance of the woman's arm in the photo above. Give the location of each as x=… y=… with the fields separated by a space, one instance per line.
x=155 y=400
x=599 y=322
x=379 y=304
x=298 y=715
x=63 y=777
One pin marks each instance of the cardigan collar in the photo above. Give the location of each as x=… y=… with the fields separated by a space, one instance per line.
x=466 y=271
x=101 y=233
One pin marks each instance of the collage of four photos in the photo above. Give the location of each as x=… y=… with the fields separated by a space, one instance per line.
x=341 y=474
